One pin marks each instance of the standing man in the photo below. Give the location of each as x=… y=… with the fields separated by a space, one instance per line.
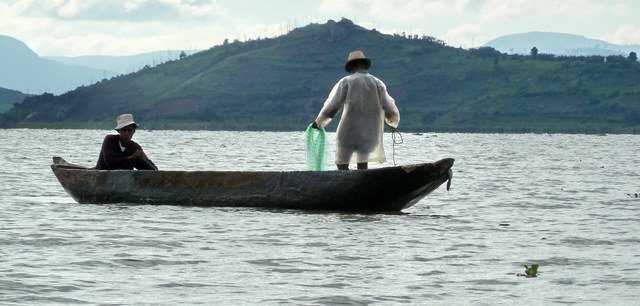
x=119 y=152
x=366 y=106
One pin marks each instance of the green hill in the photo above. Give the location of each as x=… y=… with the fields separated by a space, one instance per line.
x=280 y=84
x=8 y=97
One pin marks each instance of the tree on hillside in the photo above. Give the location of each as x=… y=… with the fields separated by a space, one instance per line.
x=615 y=59
x=633 y=56
x=182 y=55
x=534 y=51
x=485 y=52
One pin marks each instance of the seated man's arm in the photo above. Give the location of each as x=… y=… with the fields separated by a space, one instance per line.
x=145 y=164
x=142 y=162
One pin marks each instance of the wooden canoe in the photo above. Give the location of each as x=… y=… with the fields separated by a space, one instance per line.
x=373 y=190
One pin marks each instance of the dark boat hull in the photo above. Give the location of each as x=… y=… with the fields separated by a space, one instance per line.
x=383 y=189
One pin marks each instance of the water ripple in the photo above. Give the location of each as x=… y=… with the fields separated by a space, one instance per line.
x=516 y=200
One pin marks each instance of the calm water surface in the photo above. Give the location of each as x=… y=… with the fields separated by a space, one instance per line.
x=556 y=200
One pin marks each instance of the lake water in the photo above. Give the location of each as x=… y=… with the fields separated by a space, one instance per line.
x=559 y=201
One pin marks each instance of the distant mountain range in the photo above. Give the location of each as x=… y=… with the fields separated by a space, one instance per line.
x=558 y=44
x=8 y=97
x=121 y=64
x=280 y=84
x=24 y=70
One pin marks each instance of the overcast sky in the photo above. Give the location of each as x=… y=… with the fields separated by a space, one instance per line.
x=118 y=27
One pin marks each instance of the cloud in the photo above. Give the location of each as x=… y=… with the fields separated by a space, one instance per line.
x=118 y=27
x=77 y=27
x=123 y=10
x=466 y=35
x=72 y=36
x=626 y=35
x=395 y=11
x=400 y=16
x=472 y=22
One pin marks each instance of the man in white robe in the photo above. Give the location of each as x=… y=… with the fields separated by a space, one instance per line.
x=366 y=106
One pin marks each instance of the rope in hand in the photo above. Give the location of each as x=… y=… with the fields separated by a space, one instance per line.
x=394 y=132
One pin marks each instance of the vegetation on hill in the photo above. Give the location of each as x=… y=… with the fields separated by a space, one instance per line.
x=9 y=97
x=281 y=83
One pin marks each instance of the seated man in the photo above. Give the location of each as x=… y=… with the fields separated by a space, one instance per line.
x=120 y=152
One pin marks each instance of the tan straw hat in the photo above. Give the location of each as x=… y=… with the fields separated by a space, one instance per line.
x=124 y=120
x=355 y=56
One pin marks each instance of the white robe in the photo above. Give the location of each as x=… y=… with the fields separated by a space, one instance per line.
x=365 y=105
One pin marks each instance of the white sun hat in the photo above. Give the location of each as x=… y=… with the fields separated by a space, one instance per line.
x=356 y=55
x=124 y=120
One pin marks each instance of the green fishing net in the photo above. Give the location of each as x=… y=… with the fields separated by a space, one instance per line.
x=316 y=149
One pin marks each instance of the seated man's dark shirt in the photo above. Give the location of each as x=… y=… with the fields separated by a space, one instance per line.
x=113 y=158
